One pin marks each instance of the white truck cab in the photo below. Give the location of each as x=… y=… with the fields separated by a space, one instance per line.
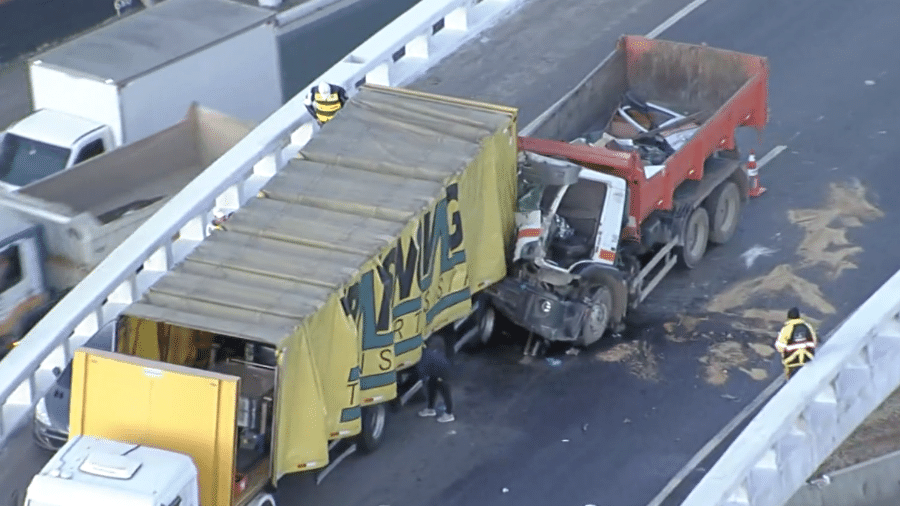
x=110 y=87
x=47 y=142
x=100 y=472
x=23 y=289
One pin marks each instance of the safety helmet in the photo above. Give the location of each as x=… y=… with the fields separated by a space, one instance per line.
x=324 y=88
x=793 y=313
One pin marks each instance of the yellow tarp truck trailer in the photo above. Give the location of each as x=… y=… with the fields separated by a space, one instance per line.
x=315 y=295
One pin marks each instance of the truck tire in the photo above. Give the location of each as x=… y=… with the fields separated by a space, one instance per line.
x=696 y=236
x=596 y=320
x=373 y=422
x=724 y=209
x=263 y=499
x=486 y=322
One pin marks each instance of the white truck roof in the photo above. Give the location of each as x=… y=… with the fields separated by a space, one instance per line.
x=54 y=127
x=156 y=36
x=134 y=475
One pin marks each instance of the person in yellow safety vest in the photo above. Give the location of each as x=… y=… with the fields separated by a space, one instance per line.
x=796 y=342
x=324 y=101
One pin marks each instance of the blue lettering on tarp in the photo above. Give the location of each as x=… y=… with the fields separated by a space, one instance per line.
x=439 y=240
x=360 y=304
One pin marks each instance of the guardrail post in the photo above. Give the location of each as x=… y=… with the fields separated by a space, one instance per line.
x=418 y=47
x=458 y=19
x=380 y=75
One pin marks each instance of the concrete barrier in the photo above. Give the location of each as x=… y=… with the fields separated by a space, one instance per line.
x=854 y=371
x=872 y=483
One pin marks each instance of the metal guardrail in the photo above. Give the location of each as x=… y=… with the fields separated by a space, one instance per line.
x=394 y=56
x=852 y=374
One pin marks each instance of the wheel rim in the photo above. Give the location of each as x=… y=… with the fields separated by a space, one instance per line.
x=376 y=421
x=598 y=316
x=486 y=325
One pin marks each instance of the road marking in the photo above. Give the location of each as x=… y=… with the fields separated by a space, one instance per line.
x=689 y=8
x=713 y=443
x=770 y=155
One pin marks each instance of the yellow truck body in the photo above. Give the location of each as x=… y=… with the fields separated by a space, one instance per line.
x=177 y=408
x=379 y=233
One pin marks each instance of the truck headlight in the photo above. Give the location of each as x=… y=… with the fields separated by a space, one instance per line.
x=40 y=413
x=546 y=306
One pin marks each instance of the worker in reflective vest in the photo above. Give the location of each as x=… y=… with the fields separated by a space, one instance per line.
x=796 y=342
x=324 y=101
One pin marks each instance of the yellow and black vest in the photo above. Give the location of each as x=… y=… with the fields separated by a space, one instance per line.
x=326 y=106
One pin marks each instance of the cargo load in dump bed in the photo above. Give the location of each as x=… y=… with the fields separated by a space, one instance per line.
x=634 y=167
x=318 y=293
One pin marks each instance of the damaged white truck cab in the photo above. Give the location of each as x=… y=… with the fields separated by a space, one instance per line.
x=615 y=189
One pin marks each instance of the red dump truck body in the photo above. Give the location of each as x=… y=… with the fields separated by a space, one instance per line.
x=726 y=89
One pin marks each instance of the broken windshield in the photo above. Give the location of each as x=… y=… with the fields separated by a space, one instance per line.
x=23 y=161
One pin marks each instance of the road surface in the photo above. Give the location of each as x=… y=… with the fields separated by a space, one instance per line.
x=26 y=25
x=612 y=425
x=632 y=414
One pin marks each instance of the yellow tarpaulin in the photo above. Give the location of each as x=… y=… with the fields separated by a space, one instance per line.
x=393 y=216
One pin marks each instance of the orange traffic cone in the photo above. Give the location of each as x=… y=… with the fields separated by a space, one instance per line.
x=753 y=175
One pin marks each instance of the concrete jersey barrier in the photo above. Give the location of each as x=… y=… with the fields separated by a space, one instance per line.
x=852 y=374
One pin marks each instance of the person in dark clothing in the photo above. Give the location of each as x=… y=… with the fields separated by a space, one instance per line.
x=434 y=369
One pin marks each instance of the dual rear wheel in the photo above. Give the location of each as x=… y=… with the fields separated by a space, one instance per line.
x=713 y=222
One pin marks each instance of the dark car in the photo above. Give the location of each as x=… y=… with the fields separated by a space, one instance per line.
x=51 y=416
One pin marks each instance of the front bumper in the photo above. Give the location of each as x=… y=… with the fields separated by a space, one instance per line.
x=48 y=437
x=547 y=314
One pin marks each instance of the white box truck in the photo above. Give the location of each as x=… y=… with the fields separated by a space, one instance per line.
x=135 y=77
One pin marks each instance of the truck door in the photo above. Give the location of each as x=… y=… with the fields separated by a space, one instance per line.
x=181 y=409
x=21 y=286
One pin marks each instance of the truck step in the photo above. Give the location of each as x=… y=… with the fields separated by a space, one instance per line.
x=665 y=256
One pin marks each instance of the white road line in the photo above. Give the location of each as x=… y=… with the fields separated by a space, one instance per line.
x=689 y=8
x=713 y=443
x=770 y=155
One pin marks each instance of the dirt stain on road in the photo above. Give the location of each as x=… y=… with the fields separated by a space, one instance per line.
x=826 y=240
x=781 y=279
x=721 y=358
x=748 y=303
x=638 y=355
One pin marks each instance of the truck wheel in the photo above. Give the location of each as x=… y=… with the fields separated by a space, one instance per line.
x=724 y=209
x=263 y=499
x=696 y=235
x=373 y=421
x=486 y=325
x=597 y=318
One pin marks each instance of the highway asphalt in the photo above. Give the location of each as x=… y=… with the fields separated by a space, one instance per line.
x=612 y=425
x=26 y=25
